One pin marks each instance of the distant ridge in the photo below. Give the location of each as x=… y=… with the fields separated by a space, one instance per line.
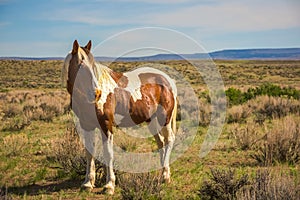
x=237 y=54
x=30 y=58
x=258 y=54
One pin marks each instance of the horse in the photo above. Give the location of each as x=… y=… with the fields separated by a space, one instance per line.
x=102 y=98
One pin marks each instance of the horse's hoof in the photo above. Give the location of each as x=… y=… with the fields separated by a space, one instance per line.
x=87 y=187
x=167 y=180
x=108 y=189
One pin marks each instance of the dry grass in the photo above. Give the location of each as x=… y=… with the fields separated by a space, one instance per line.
x=15 y=145
x=19 y=108
x=30 y=74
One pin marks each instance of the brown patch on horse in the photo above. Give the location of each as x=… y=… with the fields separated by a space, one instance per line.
x=156 y=90
x=106 y=118
x=119 y=78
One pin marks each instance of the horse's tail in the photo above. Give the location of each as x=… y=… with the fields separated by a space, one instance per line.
x=174 y=115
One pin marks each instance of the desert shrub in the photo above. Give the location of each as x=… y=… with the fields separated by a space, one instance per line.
x=14 y=144
x=19 y=108
x=12 y=118
x=238 y=114
x=246 y=136
x=11 y=110
x=189 y=110
x=204 y=113
x=268 y=186
x=277 y=107
x=69 y=153
x=223 y=184
x=140 y=186
x=4 y=194
x=281 y=143
x=42 y=112
x=16 y=123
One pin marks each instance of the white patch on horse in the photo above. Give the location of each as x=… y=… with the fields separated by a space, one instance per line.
x=118 y=118
x=134 y=84
x=105 y=83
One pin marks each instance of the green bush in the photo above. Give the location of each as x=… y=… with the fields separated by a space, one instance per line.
x=236 y=96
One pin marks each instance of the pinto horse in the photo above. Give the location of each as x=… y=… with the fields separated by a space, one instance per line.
x=121 y=100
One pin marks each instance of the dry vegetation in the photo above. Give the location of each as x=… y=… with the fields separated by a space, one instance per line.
x=257 y=155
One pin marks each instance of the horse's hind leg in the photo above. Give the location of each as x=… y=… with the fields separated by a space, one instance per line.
x=165 y=138
x=90 y=147
x=169 y=139
x=155 y=130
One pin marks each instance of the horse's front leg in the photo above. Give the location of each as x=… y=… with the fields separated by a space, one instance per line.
x=107 y=140
x=90 y=147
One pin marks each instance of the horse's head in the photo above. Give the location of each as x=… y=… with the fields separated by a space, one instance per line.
x=74 y=60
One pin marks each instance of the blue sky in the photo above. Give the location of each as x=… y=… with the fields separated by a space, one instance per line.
x=47 y=28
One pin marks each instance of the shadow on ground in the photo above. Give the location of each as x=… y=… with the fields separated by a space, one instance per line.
x=45 y=188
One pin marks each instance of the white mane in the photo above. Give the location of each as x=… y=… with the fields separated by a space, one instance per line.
x=105 y=82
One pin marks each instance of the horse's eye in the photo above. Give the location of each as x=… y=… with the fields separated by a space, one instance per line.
x=82 y=57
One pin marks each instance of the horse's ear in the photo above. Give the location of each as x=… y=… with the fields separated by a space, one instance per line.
x=75 y=47
x=89 y=45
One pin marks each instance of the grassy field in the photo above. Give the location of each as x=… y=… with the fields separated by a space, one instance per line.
x=256 y=157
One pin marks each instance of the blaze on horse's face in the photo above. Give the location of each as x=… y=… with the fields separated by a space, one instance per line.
x=78 y=56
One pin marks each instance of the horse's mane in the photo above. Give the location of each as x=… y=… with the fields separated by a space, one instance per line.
x=65 y=70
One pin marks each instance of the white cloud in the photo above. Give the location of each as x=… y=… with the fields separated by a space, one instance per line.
x=147 y=41
x=226 y=16
x=157 y=1
x=231 y=16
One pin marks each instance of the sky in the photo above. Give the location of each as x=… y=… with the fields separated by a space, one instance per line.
x=45 y=28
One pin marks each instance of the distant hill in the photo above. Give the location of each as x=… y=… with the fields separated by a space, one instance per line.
x=30 y=58
x=238 y=54
x=258 y=54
